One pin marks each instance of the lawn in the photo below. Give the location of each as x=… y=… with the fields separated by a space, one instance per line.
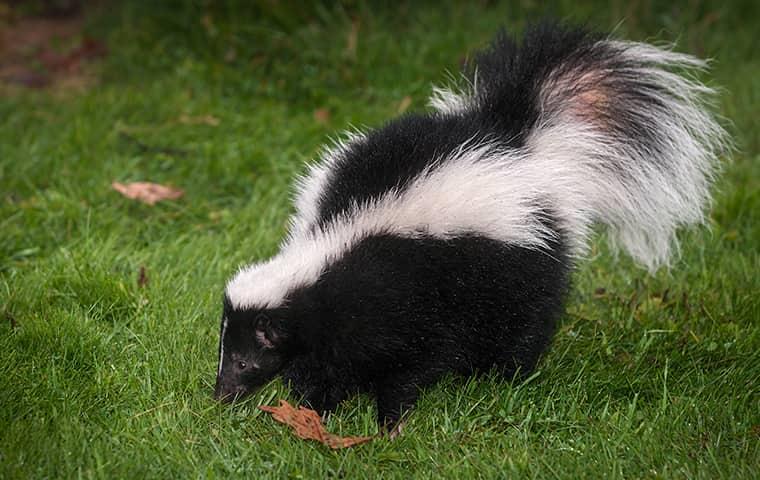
x=108 y=373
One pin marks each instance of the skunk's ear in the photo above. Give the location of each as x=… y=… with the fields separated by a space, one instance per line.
x=267 y=333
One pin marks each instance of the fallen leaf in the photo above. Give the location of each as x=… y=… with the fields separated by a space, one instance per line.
x=352 y=40
x=208 y=25
x=145 y=148
x=199 y=120
x=257 y=60
x=322 y=115
x=147 y=192
x=404 y=104
x=307 y=424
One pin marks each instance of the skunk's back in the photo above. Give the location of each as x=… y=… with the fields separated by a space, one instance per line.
x=566 y=129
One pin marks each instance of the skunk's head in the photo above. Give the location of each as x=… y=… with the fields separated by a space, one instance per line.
x=252 y=350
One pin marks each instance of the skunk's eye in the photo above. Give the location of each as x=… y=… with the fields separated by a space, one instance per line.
x=242 y=365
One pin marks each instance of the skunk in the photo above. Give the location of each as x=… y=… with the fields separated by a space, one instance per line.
x=443 y=242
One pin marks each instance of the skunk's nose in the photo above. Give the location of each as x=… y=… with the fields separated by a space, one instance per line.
x=228 y=393
x=224 y=396
x=221 y=392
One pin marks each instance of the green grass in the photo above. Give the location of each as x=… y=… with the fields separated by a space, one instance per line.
x=655 y=376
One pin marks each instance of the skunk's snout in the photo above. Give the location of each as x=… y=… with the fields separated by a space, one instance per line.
x=228 y=393
x=224 y=396
x=219 y=391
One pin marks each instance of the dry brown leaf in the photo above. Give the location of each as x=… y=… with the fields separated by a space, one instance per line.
x=209 y=120
x=353 y=37
x=147 y=192
x=322 y=116
x=307 y=424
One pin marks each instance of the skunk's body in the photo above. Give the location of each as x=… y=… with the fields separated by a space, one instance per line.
x=443 y=242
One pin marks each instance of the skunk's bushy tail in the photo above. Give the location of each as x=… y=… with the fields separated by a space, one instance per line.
x=616 y=132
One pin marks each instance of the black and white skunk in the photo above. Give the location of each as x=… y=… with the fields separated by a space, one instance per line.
x=443 y=242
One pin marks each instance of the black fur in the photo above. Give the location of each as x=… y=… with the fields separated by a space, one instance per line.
x=394 y=314
x=505 y=111
x=392 y=156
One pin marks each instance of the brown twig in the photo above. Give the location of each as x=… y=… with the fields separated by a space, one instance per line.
x=142 y=277
x=145 y=148
x=12 y=320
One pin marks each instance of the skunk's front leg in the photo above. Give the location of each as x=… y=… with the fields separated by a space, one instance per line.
x=396 y=395
x=321 y=401
x=315 y=386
